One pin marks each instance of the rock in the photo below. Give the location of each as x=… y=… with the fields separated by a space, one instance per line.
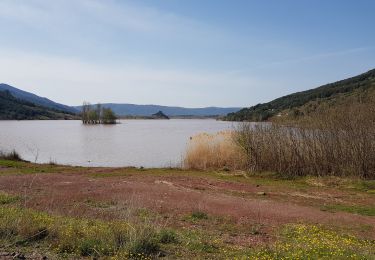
x=262 y=193
x=159 y=115
x=18 y=256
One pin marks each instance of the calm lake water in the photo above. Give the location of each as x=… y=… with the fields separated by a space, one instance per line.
x=148 y=143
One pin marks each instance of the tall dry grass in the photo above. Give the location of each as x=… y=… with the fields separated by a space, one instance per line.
x=213 y=151
x=338 y=141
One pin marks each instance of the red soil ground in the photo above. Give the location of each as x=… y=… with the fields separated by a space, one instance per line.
x=110 y=193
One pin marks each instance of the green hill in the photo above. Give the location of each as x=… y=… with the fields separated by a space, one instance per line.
x=12 y=108
x=41 y=101
x=360 y=88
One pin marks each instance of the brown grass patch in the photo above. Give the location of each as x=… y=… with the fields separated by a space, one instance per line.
x=214 y=151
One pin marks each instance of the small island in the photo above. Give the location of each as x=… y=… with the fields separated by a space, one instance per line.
x=97 y=115
x=159 y=115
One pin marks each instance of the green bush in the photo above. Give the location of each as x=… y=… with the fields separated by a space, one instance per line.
x=198 y=215
x=12 y=156
x=168 y=236
x=7 y=199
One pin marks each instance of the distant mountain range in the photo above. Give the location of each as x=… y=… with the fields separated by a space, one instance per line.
x=341 y=93
x=41 y=101
x=19 y=104
x=148 y=110
x=19 y=101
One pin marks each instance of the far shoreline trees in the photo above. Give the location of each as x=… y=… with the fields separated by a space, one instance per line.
x=92 y=115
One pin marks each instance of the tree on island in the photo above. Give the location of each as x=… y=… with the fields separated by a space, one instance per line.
x=108 y=116
x=97 y=115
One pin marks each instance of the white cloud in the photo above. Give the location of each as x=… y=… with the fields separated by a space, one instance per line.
x=61 y=28
x=72 y=15
x=71 y=81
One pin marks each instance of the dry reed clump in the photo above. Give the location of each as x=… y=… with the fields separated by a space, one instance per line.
x=213 y=151
x=339 y=142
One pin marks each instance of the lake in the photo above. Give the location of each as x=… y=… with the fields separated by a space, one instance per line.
x=147 y=143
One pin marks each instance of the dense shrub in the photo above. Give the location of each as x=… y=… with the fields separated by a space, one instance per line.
x=13 y=156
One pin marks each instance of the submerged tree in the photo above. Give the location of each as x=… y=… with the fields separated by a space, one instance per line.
x=108 y=116
x=97 y=115
x=85 y=112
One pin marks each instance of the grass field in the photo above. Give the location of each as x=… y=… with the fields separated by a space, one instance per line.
x=64 y=212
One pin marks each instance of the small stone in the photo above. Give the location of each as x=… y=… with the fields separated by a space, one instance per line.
x=262 y=193
x=18 y=256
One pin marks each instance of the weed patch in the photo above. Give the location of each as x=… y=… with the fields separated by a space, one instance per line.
x=80 y=237
x=168 y=236
x=7 y=199
x=355 y=209
x=198 y=215
x=299 y=241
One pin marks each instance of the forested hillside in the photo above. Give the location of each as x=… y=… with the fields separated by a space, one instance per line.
x=360 y=88
x=35 y=99
x=12 y=108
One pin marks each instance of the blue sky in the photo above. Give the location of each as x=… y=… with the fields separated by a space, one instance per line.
x=190 y=53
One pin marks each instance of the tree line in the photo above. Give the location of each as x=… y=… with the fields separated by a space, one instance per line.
x=97 y=114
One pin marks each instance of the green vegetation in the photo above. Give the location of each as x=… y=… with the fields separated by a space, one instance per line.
x=32 y=98
x=168 y=236
x=308 y=102
x=12 y=156
x=300 y=241
x=22 y=167
x=12 y=108
x=97 y=115
x=80 y=237
x=355 y=209
x=198 y=215
x=7 y=199
x=72 y=237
